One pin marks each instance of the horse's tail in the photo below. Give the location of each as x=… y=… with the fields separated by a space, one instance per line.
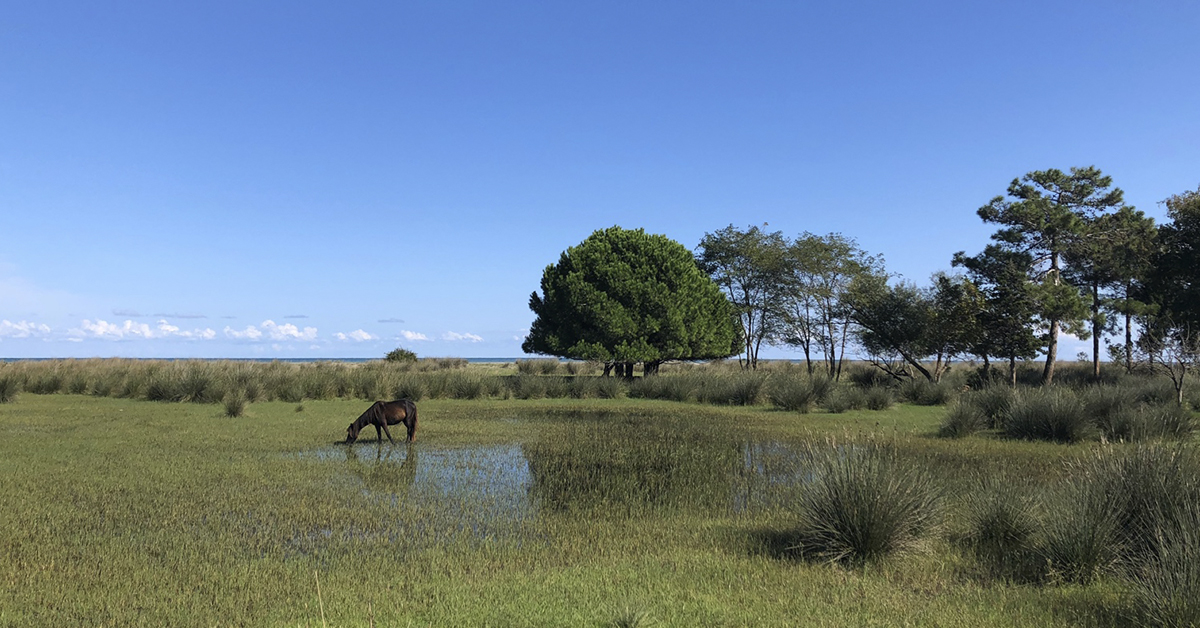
x=410 y=410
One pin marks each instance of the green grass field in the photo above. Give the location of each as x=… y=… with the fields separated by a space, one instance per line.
x=120 y=512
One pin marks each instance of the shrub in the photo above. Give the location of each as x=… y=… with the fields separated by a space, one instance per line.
x=1050 y=414
x=923 y=392
x=797 y=394
x=542 y=366
x=877 y=398
x=864 y=503
x=844 y=398
x=962 y=419
x=400 y=354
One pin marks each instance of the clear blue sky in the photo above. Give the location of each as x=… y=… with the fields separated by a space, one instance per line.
x=252 y=179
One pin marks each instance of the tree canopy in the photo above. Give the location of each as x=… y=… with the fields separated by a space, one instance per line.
x=625 y=296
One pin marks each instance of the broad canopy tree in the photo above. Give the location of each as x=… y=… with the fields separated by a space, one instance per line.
x=623 y=297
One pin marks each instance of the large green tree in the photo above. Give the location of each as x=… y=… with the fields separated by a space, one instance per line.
x=1045 y=214
x=1111 y=258
x=751 y=266
x=624 y=296
x=1006 y=324
x=814 y=315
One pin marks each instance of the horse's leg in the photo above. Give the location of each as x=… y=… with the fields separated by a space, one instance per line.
x=379 y=435
x=385 y=431
x=411 y=424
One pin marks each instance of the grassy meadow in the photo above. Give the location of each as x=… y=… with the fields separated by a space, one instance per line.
x=538 y=497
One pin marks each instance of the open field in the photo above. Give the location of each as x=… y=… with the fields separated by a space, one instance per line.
x=551 y=512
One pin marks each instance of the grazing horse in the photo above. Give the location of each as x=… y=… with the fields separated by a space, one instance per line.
x=382 y=414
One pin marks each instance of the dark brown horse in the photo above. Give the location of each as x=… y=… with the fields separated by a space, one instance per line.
x=382 y=414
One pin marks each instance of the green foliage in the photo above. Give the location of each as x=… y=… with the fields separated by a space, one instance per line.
x=628 y=296
x=752 y=267
x=799 y=394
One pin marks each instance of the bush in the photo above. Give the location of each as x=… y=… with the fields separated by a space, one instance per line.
x=962 y=419
x=864 y=503
x=400 y=354
x=1049 y=414
x=923 y=392
x=877 y=398
x=844 y=398
x=798 y=394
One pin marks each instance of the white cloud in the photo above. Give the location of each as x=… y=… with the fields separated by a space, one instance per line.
x=249 y=333
x=455 y=336
x=288 y=331
x=412 y=335
x=22 y=329
x=130 y=330
x=270 y=329
x=356 y=335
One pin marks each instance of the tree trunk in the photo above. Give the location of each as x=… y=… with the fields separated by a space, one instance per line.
x=629 y=370
x=1128 y=333
x=1051 y=352
x=608 y=367
x=842 y=358
x=1012 y=371
x=1096 y=332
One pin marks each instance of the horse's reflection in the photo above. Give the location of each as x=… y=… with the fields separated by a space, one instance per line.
x=387 y=469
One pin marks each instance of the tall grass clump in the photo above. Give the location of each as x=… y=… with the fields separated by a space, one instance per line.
x=922 y=392
x=234 y=404
x=843 y=398
x=1166 y=588
x=864 y=503
x=962 y=419
x=542 y=366
x=9 y=387
x=878 y=398
x=674 y=387
x=1002 y=529
x=993 y=401
x=736 y=389
x=1049 y=414
x=798 y=393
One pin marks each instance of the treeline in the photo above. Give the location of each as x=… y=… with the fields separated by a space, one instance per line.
x=1069 y=256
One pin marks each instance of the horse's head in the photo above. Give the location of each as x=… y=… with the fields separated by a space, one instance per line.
x=351 y=434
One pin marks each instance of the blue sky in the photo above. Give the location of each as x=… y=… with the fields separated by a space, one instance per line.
x=252 y=179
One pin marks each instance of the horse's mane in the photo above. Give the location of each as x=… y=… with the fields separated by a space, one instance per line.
x=364 y=419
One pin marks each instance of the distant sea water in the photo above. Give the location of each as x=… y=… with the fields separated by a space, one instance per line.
x=296 y=360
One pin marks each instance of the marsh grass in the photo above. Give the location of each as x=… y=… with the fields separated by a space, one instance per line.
x=109 y=503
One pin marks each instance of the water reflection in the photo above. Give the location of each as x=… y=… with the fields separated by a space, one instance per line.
x=590 y=462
